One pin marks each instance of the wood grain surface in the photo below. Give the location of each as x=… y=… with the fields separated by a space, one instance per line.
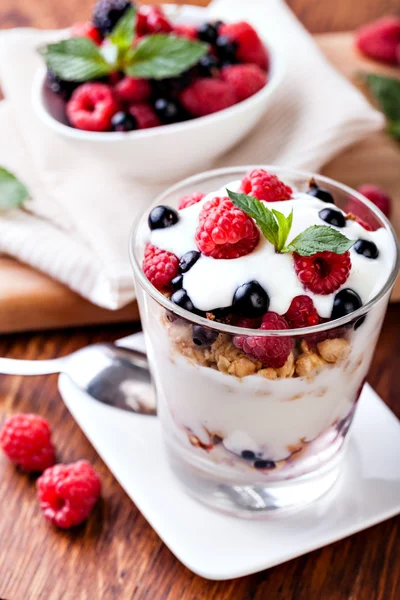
x=116 y=554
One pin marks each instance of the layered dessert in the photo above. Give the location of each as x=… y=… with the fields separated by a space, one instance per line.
x=257 y=357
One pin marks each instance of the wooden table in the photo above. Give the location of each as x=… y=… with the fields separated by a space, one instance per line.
x=117 y=554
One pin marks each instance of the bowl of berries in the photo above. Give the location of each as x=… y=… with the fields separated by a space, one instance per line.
x=147 y=86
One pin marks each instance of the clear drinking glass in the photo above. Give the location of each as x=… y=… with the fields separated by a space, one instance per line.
x=241 y=438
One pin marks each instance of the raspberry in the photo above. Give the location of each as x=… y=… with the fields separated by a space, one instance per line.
x=247 y=322
x=67 y=493
x=92 y=107
x=130 y=90
x=187 y=31
x=159 y=266
x=225 y=231
x=189 y=200
x=26 y=440
x=107 y=13
x=380 y=40
x=144 y=115
x=377 y=196
x=271 y=351
x=250 y=47
x=206 y=96
x=151 y=19
x=302 y=313
x=323 y=272
x=246 y=80
x=265 y=186
x=86 y=30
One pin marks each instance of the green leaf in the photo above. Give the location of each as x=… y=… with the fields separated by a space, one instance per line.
x=13 y=193
x=75 y=59
x=319 y=238
x=260 y=213
x=164 y=55
x=386 y=92
x=123 y=33
x=284 y=227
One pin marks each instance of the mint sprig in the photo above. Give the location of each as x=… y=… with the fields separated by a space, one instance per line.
x=13 y=193
x=276 y=227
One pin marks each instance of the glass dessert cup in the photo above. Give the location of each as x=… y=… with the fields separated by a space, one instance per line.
x=240 y=437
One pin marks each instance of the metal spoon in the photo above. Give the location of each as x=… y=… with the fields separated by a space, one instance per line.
x=110 y=374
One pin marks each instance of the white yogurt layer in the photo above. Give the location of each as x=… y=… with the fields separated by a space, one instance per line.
x=211 y=283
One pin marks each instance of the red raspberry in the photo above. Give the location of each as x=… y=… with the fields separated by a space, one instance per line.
x=377 y=196
x=323 y=272
x=247 y=323
x=144 y=115
x=265 y=186
x=159 y=266
x=187 y=31
x=87 y=30
x=189 y=200
x=151 y=19
x=26 y=440
x=246 y=80
x=250 y=47
x=271 y=351
x=92 y=107
x=302 y=313
x=225 y=231
x=130 y=90
x=380 y=40
x=67 y=493
x=206 y=96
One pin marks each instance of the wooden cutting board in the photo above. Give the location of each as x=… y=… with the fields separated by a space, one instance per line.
x=30 y=300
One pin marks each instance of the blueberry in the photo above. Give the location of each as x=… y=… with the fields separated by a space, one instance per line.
x=217 y=24
x=208 y=66
x=177 y=282
x=162 y=216
x=264 y=464
x=320 y=193
x=181 y=298
x=171 y=86
x=169 y=110
x=226 y=49
x=107 y=13
x=332 y=217
x=187 y=261
x=366 y=248
x=248 y=454
x=346 y=301
x=251 y=300
x=123 y=121
x=59 y=86
x=203 y=336
x=207 y=32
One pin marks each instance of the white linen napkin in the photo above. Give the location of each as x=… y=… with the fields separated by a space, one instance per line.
x=81 y=210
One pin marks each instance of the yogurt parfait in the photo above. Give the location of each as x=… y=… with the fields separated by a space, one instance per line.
x=261 y=299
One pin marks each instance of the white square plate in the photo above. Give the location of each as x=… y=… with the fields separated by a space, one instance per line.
x=367 y=493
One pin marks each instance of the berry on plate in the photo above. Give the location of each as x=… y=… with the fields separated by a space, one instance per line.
x=225 y=231
x=271 y=351
x=106 y=14
x=67 y=493
x=323 y=272
x=151 y=19
x=380 y=40
x=206 y=96
x=26 y=440
x=265 y=186
x=190 y=199
x=250 y=48
x=131 y=90
x=160 y=266
x=92 y=106
x=302 y=312
x=144 y=115
x=246 y=80
x=86 y=30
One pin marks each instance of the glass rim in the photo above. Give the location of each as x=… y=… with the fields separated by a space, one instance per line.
x=232 y=329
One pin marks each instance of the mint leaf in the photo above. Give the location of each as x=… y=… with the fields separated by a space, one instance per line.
x=284 y=227
x=319 y=238
x=75 y=59
x=13 y=193
x=163 y=55
x=123 y=33
x=260 y=213
x=386 y=92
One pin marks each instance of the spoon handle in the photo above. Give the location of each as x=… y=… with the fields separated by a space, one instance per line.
x=12 y=366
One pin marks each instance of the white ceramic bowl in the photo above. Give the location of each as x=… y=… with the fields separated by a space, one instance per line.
x=169 y=151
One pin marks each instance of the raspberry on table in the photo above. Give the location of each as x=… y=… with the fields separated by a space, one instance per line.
x=151 y=19
x=190 y=199
x=91 y=107
x=87 y=30
x=323 y=272
x=225 y=231
x=377 y=196
x=380 y=40
x=302 y=312
x=107 y=13
x=67 y=493
x=26 y=440
x=144 y=115
x=271 y=351
x=159 y=266
x=205 y=96
x=246 y=80
x=131 y=90
x=265 y=186
x=250 y=48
